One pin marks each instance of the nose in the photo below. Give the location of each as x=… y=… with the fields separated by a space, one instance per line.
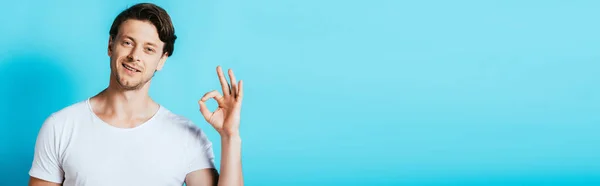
x=133 y=55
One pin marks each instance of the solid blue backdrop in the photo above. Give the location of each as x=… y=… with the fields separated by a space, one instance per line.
x=341 y=92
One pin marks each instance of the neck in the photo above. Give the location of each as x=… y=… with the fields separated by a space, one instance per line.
x=122 y=104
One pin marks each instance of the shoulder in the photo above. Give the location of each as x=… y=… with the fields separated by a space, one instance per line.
x=68 y=113
x=72 y=111
x=58 y=126
x=183 y=126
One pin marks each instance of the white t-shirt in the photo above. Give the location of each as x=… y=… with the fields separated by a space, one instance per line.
x=75 y=147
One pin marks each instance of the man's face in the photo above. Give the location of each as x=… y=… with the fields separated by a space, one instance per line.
x=135 y=54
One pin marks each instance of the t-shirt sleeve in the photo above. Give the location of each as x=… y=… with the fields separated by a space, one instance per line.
x=46 y=164
x=200 y=152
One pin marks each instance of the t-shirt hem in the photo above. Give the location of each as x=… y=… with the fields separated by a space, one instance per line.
x=44 y=176
x=200 y=168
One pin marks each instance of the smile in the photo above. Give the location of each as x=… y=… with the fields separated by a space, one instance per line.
x=130 y=68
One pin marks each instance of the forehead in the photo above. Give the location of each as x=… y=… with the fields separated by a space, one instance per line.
x=141 y=31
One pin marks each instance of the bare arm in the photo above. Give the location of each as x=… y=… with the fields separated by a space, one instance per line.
x=203 y=177
x=231 y=161
x=39 y=182
x=226 y=120
x=231 y=167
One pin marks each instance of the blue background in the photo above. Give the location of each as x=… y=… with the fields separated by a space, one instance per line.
x=341 y=92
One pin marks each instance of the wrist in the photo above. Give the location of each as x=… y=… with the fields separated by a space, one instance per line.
x=230 y=135
x=231 y=140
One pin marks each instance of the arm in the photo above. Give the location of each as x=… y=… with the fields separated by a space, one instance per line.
x=226 y=120
x=202 y=177
x=230 y=167
x=231 y=161
x=38 y=182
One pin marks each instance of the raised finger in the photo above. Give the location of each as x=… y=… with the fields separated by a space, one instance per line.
x=233 y=83
x=224 y=84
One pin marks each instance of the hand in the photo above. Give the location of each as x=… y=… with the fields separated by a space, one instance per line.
x=226 y=119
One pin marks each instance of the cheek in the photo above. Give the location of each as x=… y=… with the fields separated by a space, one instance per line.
x=152 y=64
x=113 y=61
x=120 y=51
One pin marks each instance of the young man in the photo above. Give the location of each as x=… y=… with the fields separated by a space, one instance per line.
x=122 y=137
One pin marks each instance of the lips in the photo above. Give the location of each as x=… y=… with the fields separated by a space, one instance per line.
x=131 y=68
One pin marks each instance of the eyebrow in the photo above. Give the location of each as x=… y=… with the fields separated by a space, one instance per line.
x=147 y=43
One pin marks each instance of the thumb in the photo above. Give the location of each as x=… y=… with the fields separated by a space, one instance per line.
x=204 y=110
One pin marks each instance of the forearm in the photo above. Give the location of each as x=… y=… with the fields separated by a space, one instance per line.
x=231 y=161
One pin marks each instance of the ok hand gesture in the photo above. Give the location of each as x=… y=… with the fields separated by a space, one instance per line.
x=226 y=118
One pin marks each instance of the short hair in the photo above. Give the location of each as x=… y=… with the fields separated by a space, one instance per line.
x=153 y=13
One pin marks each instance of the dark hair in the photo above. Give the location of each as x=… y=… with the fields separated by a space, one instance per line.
x=149 y=12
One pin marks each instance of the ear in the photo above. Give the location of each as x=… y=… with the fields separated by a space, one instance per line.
x=162 y=60
x=110 y=42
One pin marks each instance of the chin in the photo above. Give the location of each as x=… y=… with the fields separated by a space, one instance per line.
x=129 y=87
x=128 y=84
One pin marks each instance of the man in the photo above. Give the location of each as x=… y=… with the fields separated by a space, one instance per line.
x=122 y=137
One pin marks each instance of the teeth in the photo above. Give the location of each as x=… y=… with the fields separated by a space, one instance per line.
x=129 y=68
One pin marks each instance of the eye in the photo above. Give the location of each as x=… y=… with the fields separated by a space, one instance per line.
x=127 y=43
x=150 y=49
